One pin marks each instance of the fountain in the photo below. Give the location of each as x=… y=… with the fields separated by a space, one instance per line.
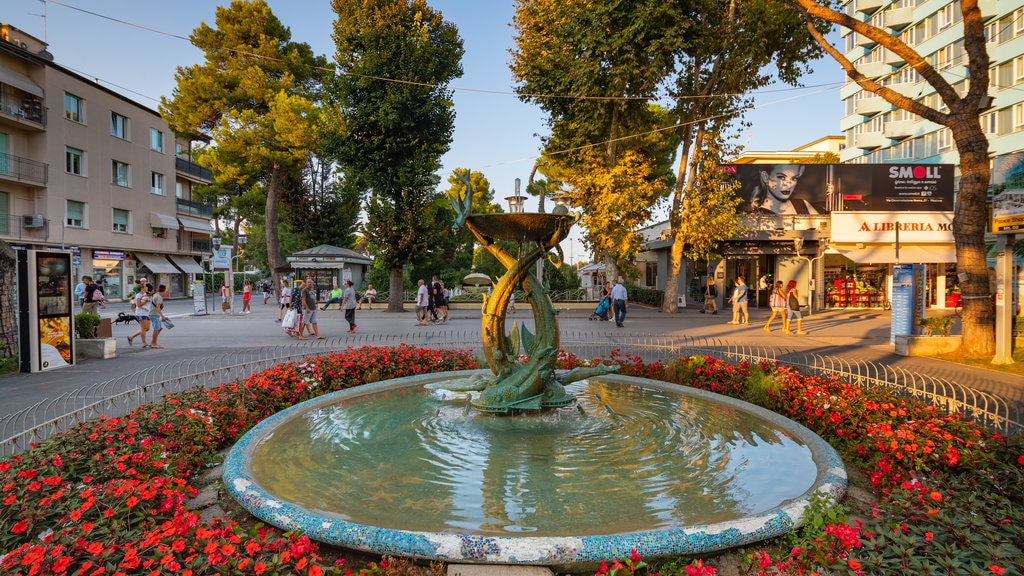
x=539 y=466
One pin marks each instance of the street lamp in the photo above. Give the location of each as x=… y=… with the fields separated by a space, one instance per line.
x=515 y=203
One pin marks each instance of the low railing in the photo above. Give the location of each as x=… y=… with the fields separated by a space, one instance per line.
x=121 y=395
x=23 y=169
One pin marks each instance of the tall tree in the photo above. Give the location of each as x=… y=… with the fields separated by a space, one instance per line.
x=395 y=59
x=594 y=67
x=958 y=111
x=735 y=47
x=252 y=98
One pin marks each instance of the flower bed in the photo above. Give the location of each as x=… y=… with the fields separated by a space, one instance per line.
x=108 y=496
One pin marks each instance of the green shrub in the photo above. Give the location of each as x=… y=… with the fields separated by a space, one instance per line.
x=936 y=325
x=85 y=324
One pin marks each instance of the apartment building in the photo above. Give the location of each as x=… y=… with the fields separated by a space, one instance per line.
x=877 y=132
x=85 y=169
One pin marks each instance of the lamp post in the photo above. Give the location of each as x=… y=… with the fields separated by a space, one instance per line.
x=515 y=203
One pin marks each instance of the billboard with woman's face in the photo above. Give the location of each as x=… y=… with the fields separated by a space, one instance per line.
x=824 y=188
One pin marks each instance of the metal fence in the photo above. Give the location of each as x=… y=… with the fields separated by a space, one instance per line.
x=121 y=395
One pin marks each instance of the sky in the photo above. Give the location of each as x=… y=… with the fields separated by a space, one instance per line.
x=134 y=47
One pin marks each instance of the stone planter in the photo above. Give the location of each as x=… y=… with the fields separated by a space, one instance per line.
x=926 y=345
x=96 y=347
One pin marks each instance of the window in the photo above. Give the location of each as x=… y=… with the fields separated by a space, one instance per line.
x=120 y=174
x=1018 y=22
x=157 y=183
x=1018 y=69
x=74 y=108
x=992 y=33
x=120 y=220
x=5 y=222
x=944 y=17
x=944 y=139
x=179 y=191
x=990 y=124
x=1018 y=115
x=944 y=57
x=75 y=214
x=118 y=126
x=156 y=140
x=74 y=161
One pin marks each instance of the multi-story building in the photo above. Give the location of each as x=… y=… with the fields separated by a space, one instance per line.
x=86 y=169
x=877 y=132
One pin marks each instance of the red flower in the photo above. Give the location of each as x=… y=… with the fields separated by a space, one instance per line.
x=996 y=569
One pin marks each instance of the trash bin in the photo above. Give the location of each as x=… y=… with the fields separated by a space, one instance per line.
x=104 y=330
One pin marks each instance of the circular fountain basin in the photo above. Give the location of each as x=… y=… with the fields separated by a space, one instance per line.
x=394 y=468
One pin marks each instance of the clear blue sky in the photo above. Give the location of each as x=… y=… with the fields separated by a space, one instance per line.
x=495 y=133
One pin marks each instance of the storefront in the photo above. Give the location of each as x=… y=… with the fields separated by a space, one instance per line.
x=108 y=271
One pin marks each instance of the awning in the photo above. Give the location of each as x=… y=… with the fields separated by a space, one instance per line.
x=21 y=82
x=909 y=253
x=156 y=263
x=157 y=220
x=196 y=225
x=187 y=264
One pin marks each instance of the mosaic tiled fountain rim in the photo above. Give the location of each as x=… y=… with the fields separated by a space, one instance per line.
x=567 y=551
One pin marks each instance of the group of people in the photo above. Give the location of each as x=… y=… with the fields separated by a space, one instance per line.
x=784 y=303
x=148 y=305
x=298 y=309
x=616 y=298
x=431 y=302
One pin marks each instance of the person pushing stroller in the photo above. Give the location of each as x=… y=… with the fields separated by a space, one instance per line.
x=604 y=306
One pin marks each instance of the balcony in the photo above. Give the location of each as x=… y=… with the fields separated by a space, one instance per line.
x=869 y=6
x=203 y=245
x=891 y=58
x=863 y=41
x=899 y=18
x=24 y=227
x=871 y=106
x=194 y=208
x=195 y=171
x=870 y=140
x=23 y=170
x=899 y=129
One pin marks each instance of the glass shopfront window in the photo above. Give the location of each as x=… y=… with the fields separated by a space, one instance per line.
x=848 y=284
x=108 y=273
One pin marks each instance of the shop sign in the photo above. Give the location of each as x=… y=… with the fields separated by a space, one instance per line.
x=108 y=254
x=825 y=188
x=932 y=227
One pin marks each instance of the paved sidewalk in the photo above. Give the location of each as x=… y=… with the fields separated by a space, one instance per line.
x=852 y=335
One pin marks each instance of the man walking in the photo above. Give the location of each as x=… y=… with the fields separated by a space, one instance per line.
x=92 y=296
x=619 y=298
x=422 y=301
x=309 y=308
x=348 y=303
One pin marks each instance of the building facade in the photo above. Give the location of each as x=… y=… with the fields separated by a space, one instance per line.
x=85 y=169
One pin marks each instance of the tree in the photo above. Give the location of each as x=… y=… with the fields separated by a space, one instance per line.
x=595 y=67
x=253 y=98
x=961 y=117
x=734 y=48
x=395 y=58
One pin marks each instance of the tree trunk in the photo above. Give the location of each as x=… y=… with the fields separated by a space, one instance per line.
x=270 y=212
x=8 y=314
x=970 y=221
x=396 y=299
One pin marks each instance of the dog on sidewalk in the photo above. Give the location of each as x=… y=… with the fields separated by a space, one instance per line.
x=125 y=319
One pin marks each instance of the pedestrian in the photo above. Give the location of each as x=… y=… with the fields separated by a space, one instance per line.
x=286 y=300
x=335 y=298
x=440 y=300
x=225 y=298
x=777 y=302
x=143 y=304
x=156 y=314
x=739 y=302
x=368 y=297
x=348 y=303
x=296 y=303
x=80 y=292
x=246 y=296
x=422 y=303
x=309 y=309
x=92 y=296
x=710 y=297
x=619 y=300
x=793 y=310
x=267 y=288
x=435 y=300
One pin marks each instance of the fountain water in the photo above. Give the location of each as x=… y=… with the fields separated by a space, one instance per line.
x=420 y=467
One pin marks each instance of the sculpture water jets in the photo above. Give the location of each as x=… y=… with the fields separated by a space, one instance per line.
x=530 y=385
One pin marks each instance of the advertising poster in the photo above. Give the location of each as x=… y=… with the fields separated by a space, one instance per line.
x=903 y=301
x=824 y=188
x=1008 y=198
x=199 y=298
x=53 y=306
